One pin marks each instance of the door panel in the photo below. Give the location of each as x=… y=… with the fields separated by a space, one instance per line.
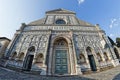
x=61 y=66
x=64 y=61
x=92 y=62
x=29 y=62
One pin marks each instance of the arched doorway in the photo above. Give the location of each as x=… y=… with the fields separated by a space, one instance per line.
x=91 y=59
x=29 y=62
x=61 y=56
x=29 y=59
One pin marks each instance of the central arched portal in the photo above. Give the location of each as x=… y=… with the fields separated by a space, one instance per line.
x=61 y=56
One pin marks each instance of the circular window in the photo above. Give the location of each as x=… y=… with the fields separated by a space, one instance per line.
x=60 y=21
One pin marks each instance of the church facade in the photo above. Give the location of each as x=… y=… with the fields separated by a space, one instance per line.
x=61 y=44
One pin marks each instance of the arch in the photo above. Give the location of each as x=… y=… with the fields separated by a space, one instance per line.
x=31 y=49
x=91 y=59
x=89 y=49
x=106 y=56
x=21 y=56
x=14 y=54
x=99 y=57
x=68 y=40
x=60 y=53
x=40 y=58
x=116 y=53
x=82 y=59
x=70 y=52
x=61 y=42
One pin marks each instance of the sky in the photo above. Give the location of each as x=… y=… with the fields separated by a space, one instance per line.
x=106 y=13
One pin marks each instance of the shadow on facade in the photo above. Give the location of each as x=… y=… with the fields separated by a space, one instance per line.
x=117 y=77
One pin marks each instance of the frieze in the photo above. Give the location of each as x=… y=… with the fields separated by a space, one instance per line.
x=36 y=32
x=84 y=28
x=24 y=42
x=95 y=33
x=60 y=32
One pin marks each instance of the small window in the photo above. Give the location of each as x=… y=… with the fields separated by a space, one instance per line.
x=60 y=21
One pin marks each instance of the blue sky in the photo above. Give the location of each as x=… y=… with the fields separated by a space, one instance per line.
x=106 y=13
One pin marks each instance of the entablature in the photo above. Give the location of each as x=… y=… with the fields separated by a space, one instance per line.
x=61 y=27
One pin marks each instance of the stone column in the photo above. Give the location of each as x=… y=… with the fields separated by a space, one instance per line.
x=50 y=61
x=71 y=60
x=76 y=68
x=49 y=53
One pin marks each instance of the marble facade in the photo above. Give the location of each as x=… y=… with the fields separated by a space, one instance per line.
x=82 y=47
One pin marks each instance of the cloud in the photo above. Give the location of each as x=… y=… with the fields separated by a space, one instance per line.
x=114 y=26
x=80 y=1
x=111 y=35
x=111 y=26
x=115 y=22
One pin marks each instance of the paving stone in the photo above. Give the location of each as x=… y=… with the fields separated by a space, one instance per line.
x=112 y=74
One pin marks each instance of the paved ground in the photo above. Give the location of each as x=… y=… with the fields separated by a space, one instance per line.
x=112 y=74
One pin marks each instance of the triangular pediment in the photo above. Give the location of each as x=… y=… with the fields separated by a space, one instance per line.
x=48 y=20
x=38 y=22
x=61 y=11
